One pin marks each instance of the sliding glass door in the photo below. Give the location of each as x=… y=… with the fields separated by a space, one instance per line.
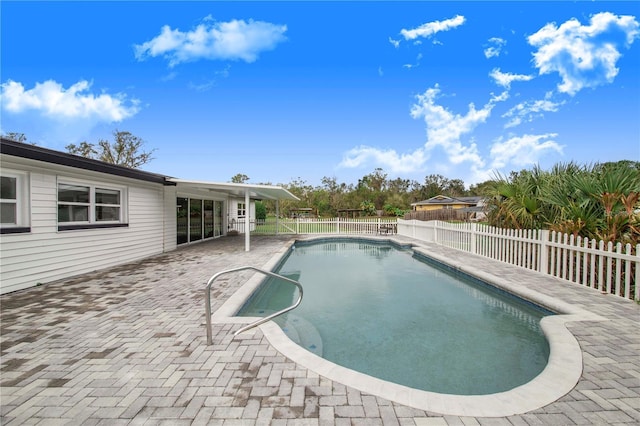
x=208 y=218
x=198 y=219
x=183 y=220
x=195 y=219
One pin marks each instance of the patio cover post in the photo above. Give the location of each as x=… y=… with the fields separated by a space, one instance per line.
x=247 y=220
x=277 y=214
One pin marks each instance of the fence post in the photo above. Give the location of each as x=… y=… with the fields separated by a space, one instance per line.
x=297 y=225
x=543 y=258
x=473 y=238
x=435 y=230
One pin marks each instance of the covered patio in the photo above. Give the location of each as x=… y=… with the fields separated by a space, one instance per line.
x=247 y=192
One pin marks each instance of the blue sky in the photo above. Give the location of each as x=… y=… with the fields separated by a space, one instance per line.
x=290 y=90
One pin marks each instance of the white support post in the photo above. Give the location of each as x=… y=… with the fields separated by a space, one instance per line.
x=247 y=220
x=277 y=215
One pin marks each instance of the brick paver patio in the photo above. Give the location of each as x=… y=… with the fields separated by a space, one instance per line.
x=128 y=346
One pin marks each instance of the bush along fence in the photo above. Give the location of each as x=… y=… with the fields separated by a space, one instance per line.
x=338 y=225
x=610 y=268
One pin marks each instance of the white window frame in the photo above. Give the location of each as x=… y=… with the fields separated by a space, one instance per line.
x=242 y=210
x=93 y=185
x=21 y=201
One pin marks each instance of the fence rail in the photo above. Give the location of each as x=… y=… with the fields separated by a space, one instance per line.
x=337 y=225
x=612 y=269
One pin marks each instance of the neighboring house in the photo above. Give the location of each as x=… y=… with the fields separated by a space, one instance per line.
x=444 y=202
x=62 y=215
x=471 y=208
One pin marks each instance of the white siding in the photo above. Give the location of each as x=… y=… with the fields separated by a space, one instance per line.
x=170 y=222
x=46 y=254
x=233 y=208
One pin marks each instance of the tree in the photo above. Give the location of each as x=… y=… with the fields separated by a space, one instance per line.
x=368 y=208
x=434 y=185
x=455 y=188
x=261 y=211
x=600 y=201
x=482 y=188
x=125 y=150
x=15 y=136
x=240 y=178
x=85 y=149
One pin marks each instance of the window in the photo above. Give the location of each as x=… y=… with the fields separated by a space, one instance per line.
x=14 y=212
x=86 y=204
x=9 y=200
x=73 y=203
x=242 y=209
x=107 y=205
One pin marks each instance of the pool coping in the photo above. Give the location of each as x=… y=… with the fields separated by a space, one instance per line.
x=558 y=378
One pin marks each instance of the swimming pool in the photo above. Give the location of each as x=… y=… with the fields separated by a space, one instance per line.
x=562 y=372
x=379 y=309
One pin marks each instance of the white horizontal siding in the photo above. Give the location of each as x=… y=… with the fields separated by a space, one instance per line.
x=170 y=220
x=46 y=254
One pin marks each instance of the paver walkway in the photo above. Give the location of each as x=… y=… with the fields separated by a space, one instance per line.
x=128 y=346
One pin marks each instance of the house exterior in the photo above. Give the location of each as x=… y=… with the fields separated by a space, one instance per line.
x=442 y=207
x=444 y=202
x=64 y=215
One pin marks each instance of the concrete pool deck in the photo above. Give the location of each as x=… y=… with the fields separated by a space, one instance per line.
x=128 y=346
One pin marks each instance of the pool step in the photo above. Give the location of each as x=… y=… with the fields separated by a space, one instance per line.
x=302 y=332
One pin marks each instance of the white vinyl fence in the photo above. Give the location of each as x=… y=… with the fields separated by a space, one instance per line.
x=336 y=225
x=610 y=268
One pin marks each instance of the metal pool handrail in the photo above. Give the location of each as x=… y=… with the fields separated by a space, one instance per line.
x=207 y=297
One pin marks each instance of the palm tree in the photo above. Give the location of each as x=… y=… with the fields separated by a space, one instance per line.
x=600 y=201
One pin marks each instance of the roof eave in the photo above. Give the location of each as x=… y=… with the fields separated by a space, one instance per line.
x=37 y=153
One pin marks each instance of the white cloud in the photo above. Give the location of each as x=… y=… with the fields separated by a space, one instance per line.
x=51 y=100
x=528 y=111
x=431 y=28
x=171 y=76
x=496 y=47
x=505 y=79
x=523 y=150
x=417 y=64
x=445 y=130
x=211 y=83
x=583 y=55
x=233 y=40
x=388 y=159
x=395 y=43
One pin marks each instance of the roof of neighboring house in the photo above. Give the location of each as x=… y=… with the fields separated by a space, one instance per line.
x=444 y=200
x=33 y=152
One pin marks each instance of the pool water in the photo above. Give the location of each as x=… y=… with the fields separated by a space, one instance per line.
x=375 y=308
